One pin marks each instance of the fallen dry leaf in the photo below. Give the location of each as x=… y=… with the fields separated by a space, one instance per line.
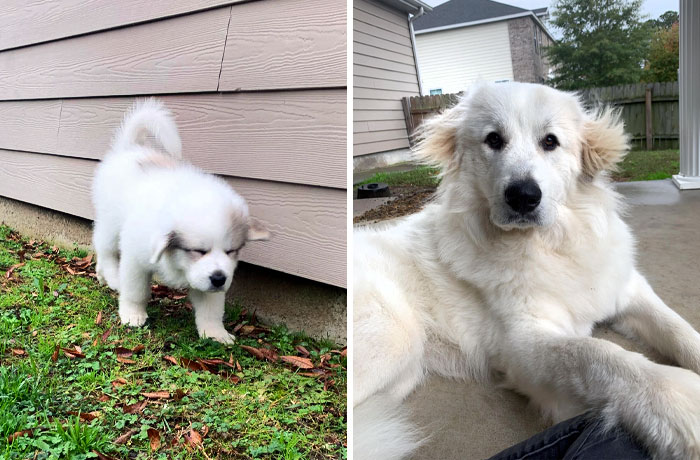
x=87 y=416
x=101 y=456
x=106 y=334
x=304 y=352
x=98 y=320
x=125 y=360
x=193 y=438
x=18 y=352
x=103 y=398
x=73 y=353
x=154 y=437
x=18 y=434
x=171 y=360
x=54 y=356
x=157 y=395
x=125 y=437
x=135 y=408
x=179 y=394
x=118 y=382
x=8 y=273
x=261 y=353
x=302 y=363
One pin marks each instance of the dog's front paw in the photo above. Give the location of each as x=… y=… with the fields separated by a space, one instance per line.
x=132 y=314
x=219 y=334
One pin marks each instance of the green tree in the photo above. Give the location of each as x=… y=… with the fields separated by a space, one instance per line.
x=662 y=62
x=604 y=42
x=665 y=21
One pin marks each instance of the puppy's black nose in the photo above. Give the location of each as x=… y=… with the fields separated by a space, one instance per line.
x=523 y=196
x=217 y=278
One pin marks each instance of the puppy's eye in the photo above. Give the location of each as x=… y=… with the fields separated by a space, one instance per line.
x=550 y=142
x=495 y=141
x=201 y=252
x=232 y=252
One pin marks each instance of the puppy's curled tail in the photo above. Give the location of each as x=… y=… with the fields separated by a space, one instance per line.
x=149 y=116
x=381 y=430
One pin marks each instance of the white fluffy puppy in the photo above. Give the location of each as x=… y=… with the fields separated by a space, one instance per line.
x=502 y=278
x=156 y=215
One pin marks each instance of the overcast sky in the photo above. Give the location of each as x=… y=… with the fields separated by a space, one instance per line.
x=652 y=8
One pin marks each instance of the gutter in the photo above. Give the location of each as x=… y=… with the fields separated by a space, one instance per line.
x=411 y=18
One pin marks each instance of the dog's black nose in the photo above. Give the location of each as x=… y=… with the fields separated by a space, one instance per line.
x=523 y=196
x=217 y=278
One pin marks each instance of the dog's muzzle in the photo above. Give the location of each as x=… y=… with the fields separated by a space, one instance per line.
x=523 y=196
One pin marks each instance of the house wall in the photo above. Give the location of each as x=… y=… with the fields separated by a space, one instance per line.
x=453 y=59
x=384 y=71
x=258 y=90
x=528 y=57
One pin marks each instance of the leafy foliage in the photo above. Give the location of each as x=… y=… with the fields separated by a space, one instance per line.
x=604 y=43
x=75 y=384
x=663 y=59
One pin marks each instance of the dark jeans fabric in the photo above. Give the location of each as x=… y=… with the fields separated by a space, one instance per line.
x=579 y=438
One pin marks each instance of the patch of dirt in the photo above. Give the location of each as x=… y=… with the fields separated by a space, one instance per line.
x=408 y=200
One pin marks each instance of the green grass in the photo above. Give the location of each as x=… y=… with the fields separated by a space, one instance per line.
x=272 y=412
x=423 y=176
x=648 y=165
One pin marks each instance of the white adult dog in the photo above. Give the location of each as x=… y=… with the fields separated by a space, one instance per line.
x=502 y=278
x=157 y=215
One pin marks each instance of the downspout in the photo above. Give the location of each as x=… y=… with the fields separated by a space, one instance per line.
x=412 y=18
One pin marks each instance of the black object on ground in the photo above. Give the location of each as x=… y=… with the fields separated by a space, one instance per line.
x=373 y=190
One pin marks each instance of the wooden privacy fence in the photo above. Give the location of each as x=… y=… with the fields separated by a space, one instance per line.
x=650 y=111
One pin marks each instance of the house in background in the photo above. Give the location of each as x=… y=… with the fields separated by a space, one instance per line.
x=462 y=41
x=258 y=90
x=384 y=71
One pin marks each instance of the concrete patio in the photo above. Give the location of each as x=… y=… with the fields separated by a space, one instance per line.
x=468 y=421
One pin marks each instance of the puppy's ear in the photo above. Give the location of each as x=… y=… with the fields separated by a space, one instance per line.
x=605 y=142
x=437 y=137
x=256 y=230
x=162 y=243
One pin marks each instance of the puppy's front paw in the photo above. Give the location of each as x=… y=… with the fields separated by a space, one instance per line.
x=218 y=334
x=132 y=314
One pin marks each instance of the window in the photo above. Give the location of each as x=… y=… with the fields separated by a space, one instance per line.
x=433 y=92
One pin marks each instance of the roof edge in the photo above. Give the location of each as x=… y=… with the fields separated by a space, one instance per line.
x=486 y=21
x=407 y=6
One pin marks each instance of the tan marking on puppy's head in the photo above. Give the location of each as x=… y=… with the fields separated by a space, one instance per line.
x=605 y=142
x=256 y=230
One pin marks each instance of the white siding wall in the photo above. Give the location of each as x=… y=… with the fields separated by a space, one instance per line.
x=453 y=59
x=384 y=72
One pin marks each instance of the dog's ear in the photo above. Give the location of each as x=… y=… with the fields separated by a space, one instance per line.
x=256 y=230
x=162 y=243
x=437 y=137
x=605 y=142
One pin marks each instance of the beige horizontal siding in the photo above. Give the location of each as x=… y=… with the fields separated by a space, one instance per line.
x=301 y=218
x=281 y=146
x=453 y=59
x=383 y=73
x=290 y=136
x=25 y=22
x=175 y=55
x=286 y=44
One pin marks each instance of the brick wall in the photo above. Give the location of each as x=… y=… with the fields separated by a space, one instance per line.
x=529 y=62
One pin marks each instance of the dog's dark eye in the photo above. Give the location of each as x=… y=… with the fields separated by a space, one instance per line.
x=550 y=142
x=198 y=251
x=232 y=252
x=495 y=141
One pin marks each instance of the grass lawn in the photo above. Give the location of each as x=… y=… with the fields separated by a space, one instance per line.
x=648 y=165
x=76 y=384
x=638 y=165
x=422 y=176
